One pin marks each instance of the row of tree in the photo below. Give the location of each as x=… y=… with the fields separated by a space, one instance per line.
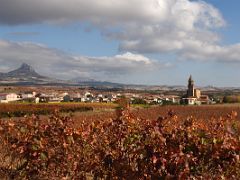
x=231 y=99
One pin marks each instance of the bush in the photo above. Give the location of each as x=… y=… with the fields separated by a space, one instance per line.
x=126 y=147
x=139 y=101
x=231 y=99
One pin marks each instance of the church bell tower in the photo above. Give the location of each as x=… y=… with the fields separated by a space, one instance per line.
x=190 y=92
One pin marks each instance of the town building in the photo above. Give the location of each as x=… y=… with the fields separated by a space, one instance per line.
x=11 y=98
x=194 y=96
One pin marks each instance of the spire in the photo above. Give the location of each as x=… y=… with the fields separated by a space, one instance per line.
x=190 y=78
x=190 y=81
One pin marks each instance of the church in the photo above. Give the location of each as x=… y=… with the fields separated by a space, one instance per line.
x=193 y=96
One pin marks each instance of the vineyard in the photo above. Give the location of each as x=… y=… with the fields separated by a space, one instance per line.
x=21 y=109
x=172 y=142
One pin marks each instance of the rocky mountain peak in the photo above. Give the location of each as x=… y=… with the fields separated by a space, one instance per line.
x=26 y=74
x=24 y=70
x=26 y=67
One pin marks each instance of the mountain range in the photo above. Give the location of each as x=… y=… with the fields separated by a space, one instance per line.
x=26 y=75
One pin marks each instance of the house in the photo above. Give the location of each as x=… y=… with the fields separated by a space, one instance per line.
x=158 y=100
x=42 y=98
x=204 y=99
x=27 y=95
x=3 y=96
x=173 y=99
x=11 y=98
x=87 y=97
x=190 y=101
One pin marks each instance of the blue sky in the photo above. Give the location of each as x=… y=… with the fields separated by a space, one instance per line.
x=230 y=11
x=156 y=42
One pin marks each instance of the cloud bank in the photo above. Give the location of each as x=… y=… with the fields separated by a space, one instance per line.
x=58 y=64
x=182 y=13
x=183 y=27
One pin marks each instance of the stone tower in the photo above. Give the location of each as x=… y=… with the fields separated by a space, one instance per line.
x=190 y=91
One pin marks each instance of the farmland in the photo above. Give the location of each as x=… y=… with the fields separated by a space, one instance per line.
x=203 y=113
x=168 y=142
x=22 y=109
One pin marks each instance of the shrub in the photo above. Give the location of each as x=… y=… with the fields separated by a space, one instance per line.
x=126 y=147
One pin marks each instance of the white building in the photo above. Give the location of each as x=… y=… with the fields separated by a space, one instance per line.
x=27 y=96
x=190 y=101
x=11 y=98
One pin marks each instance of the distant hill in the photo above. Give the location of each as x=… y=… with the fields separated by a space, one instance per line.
x=25 y=74
x=94 y=83
x=24 y=70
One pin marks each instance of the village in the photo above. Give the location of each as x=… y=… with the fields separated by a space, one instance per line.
x=193 y=96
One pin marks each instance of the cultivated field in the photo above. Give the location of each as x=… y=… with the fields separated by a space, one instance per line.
x=170 y=142
x=23 y=109
x=203 y=113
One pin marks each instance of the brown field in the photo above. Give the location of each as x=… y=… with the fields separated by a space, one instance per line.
x=183 y=112
x=22 y=109
x=206 y=112
x=169 y=142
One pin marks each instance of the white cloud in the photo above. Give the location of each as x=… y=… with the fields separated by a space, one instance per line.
x=133 y=58
x=199 y=51
x=108 y=11
x=184 y=27
x=55 y=63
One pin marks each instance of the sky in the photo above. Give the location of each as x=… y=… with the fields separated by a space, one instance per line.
x=153 y=42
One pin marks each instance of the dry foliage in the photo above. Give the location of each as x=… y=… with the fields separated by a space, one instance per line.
x=21 y=109
x=126 y=147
